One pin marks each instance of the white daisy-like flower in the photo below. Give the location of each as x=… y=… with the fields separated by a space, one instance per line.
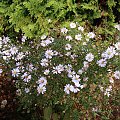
x=27 y=90
x=102 y=62
x=78 y=37
x=117 y=45
x=80 y=71
x=43 y=37
x=58 y=69
x=20 y=56
x=68 y=88
x=75 y=90
x=15 y=72
x=42 y=81
x=107 y=91
x=69 y=38
x=7 y=53
x=44 y=62
x=81 y=28
x=76 y=80
x=117 y=74
x=41 y=89
x=46 y=72
x=64 y=30
x=89 y=57
x=31 y=67
x=5 y=40
x=85 y=65
x=72 y=25
x=68 y=47
x=71 y=73
x=26 y=77
x=13 y=50
x=109 y=53
x=24 y=38
x=49 y=54
x=45 y=43
x=90 y=35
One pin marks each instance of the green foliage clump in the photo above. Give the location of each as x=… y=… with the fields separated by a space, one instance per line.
x=35 y=17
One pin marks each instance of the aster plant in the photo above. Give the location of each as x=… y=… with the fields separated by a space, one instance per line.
x=62 y=70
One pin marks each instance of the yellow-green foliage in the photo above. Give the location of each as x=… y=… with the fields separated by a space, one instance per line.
x=33 y=16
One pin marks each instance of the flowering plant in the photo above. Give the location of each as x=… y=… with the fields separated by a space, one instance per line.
x=62 y=70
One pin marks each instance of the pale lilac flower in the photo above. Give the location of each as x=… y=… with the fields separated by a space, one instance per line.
x=44 y=62
x=24 y=38
x=71 y=73
x=41 y=89
x=80 y=71
x=117 y=74
x=5 y=40
x=68 y=88
x=89 y=57
x=85 y=65
x=20 y=56
x=64 y=30
x=26 y=77
x=69 y=38
x=46 y=42
x=107 y=91
x=102 y=62
x=42 y=81
x=31 y=67
x=15 y=72
x=76 y=80
x=13 y=50
x=110 y=52
x=49 y=54
x=58 y=69
x=27 y=90
x=75 y=90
